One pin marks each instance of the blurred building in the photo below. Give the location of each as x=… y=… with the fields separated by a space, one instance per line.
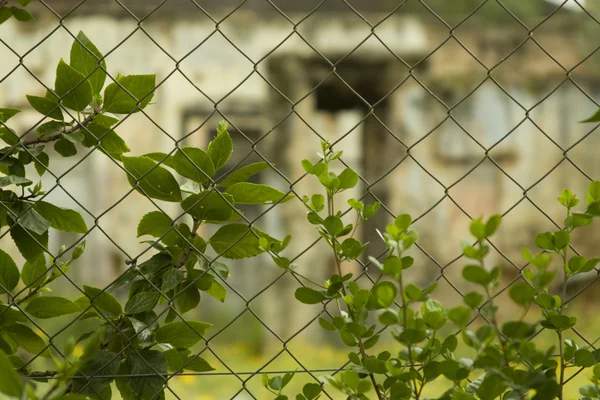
x=441 y=120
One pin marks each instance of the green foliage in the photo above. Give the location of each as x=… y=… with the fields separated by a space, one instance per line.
x=506 y=363
x=149 y=333
x=19 y=13
x=135 y=344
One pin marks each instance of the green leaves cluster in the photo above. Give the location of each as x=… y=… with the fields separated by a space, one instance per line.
x=506 y=363
x=149 y=333
x=19 y=13
x=276 y=385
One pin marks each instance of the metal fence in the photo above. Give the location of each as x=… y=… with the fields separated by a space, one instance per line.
x=295 y=15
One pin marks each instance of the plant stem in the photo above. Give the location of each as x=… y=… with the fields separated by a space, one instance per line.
x=494 y=318
x=405 y=323
x=58 y=135
x=560 y=336
x=338 y=264
x=355 y=225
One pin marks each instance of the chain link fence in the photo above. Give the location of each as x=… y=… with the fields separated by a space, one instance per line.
x=414 y=91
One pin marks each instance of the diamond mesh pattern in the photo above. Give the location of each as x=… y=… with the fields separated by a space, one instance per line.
x=324 y=77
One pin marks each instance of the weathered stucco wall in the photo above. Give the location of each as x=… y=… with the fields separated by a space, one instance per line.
x=201 y=70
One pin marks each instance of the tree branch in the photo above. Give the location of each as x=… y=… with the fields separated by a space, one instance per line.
x=58 y=135
x=40 y=374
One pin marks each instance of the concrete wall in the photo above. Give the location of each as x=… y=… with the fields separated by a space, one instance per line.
x=234 y=70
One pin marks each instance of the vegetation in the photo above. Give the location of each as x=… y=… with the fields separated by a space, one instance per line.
x=139 y=345
x=507 y=364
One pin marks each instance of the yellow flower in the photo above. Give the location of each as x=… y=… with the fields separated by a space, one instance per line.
x=78 y=351
x=188 y=379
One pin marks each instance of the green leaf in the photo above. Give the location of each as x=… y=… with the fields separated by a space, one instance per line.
x=221 y=147
x=51 y=307
x=593 y=194
x=473 y=299
x=27 y=339
x=307 y=295
x=562 y=239
x=492 y=225
x=46 y=107
x=71 y=86
x=23 y=3
x=5 y=14
x=161 y=158
x=123 y=97
x=194 y=164
x=85 y=58
x=171 y=279
x=103 y=365
x=61 y=219
x=522 y=293
x=42 y=162
x=140 y=302
x=352 y=249
x=477 y=274
x=478 y=229
x=333 y=225
x=243 y=173
x=545 y=241
x=584 y=358
x=403 y=222
x=449 y=344
x=34 y=273
x=14 y=180
x=590 y=264
x=155 y=224
x=217 y=291
x=147 y=369
x=308 y=167
x=558 y=322
x=209 y=206
x=188 y=299
x=110 y=142
x=182 y=334
x=50 y=128
x=412 y=292
x=11 y=383
x=252 y=193
x=104 y=301
x=8 y=136
x=392 y=266
x=385 y=292
x=578 y=220
x=318 y=202
x=8 y=113
x=21 y=14
x=239 y=237
x=460 y=316
x=9 y=273
x=591 y=391
x=311 y=391
x=65 y=147
x=180 y=359
x=29 y=218
x=325 y=324
x=30 y=244
x=348 y=179
x=517 y=330
x=153 y=180
x=491 y=386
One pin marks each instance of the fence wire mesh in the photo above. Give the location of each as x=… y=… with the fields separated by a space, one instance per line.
x=272 y=138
